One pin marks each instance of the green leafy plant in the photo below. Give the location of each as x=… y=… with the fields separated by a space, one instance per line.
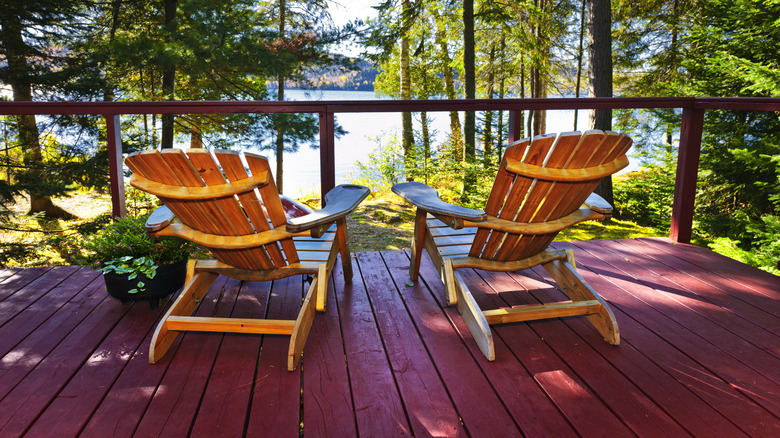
x=123 y=247
x=132 y=267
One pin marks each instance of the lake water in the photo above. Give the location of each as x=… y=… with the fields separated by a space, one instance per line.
x=365 y=132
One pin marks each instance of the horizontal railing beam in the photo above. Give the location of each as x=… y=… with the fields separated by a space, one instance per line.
x=691 y=130
x=360 y=106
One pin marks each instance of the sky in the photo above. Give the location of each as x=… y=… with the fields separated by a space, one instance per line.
x=344 y=11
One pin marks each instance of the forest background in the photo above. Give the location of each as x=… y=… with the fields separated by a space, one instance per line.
x=116 y=50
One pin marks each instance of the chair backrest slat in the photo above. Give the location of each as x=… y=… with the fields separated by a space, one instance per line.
x=273 y=205
x=527 y=199
x=254 y=204
x=152 y=166
x=504 y=200
x=571 y=150
x=238 y=215
x=234 y=217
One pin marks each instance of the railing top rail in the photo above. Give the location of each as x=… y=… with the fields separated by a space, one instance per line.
x=217 y=107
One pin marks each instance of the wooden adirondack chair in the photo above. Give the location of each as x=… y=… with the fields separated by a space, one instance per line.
x=211 y=200
x=542 y=187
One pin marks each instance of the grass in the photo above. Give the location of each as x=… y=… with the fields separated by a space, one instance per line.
x=382 y=222
x=27 y=241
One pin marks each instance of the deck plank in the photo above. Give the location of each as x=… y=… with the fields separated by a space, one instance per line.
x=173 y=406
x=747 y=366
x=703 y=367
x=37 y=344
x=327 y=401
x=7 y=273
x=12 y=280
x=230 y=382
x=746 y=322
x=378 y=406
x=697 y=417
x=731 y=333
x=428 y=404
x=583 y=409
x=19 y=298
x=75 y=403
x=276 y=396
x=507 y=382
x=31 y=396
x=699 y=355
x=575 y=349
x=29 y=319
x=722 y=267
x=124 y=405
x=702 y=283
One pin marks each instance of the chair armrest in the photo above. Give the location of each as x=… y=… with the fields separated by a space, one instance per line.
x=598 y=204
x=160 y=218
x=427 y=198
x=339 y=202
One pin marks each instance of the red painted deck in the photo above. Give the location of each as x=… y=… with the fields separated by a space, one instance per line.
x=700 y=356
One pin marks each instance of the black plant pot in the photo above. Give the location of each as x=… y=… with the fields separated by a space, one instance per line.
x=169 y=279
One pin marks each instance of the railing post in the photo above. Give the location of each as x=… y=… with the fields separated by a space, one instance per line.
x=515 y=126
x=691 y=131
x=327 y=153
x=117 y=181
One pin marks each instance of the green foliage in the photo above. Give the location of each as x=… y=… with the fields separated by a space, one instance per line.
x=646 y=196
x=766 y=241
x=385 y=165
x=733 y=49
x=116 y=245
x=762 y=257
x=133 y=266
x=707 y=48
x=441 y=169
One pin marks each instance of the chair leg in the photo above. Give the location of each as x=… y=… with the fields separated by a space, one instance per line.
x=448 y=277
x=190 y=270
x=342 y=240
x=304 y=322
x=575 y=287
x=420 y=226
x=474 y=319
x=321 y=279
x=185 y=305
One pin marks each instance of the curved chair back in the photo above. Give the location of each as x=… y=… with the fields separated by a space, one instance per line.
x=213 y=193
x=544 y=180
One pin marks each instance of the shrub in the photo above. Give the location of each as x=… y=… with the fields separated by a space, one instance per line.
x=126 y=237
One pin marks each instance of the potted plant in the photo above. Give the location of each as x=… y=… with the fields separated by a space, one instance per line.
x=135 y=266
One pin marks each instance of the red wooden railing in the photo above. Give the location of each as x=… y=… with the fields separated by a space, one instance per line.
x=693 y=109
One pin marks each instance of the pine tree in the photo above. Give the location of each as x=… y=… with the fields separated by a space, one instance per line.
x=39 y=41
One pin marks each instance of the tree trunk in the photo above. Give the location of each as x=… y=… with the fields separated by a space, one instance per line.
x=469 y=150
x=169 y=78
x=449 y=83
x=538 y=118
x=600 y=83
x=487 y=130
x=580 y=54
x=280 y=97
x=426 y=139
x=196 y=136
x=520 y=118
x=501 y=84
x=29 y=137
x=673 y=51
x=407 y=134
x=426 y=136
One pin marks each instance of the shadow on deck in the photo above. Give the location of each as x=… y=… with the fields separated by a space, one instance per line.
x=700 y=355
